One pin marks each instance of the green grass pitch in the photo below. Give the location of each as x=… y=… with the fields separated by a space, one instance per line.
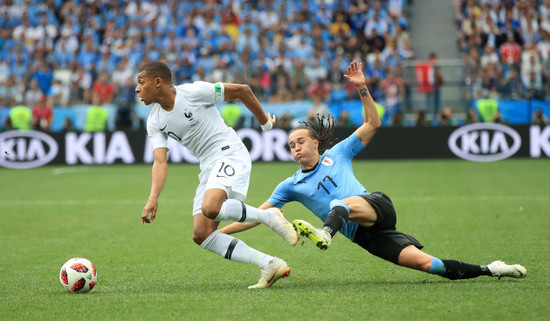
x=474 y=212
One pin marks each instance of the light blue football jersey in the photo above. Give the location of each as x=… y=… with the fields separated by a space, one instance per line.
x=333 y=178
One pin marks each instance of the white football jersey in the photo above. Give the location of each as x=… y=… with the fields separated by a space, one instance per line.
x=194 y=122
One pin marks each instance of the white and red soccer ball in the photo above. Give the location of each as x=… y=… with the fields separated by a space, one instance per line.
x=78 y=275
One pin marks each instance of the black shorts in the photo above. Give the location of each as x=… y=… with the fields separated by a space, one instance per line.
x=382 y=239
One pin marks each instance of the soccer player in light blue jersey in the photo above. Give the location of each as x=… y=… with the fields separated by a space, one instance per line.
x=327 y=186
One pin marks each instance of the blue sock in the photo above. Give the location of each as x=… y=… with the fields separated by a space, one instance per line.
x=437 y=267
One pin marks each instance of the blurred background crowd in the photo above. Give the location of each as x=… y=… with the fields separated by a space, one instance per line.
x=505 y=46
x=58 y=54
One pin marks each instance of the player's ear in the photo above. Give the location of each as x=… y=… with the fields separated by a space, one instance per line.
x=158 y=82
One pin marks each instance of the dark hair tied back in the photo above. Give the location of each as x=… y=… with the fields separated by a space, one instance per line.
x=322 y=131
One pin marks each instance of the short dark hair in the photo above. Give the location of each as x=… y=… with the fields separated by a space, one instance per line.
x=322 y=131
x=157 y=69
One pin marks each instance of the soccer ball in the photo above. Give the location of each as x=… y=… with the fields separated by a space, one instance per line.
x=78 y=275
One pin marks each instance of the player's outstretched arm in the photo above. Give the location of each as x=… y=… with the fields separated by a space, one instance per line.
x=245 y=94
x=372 y=122
x=239 y=227
x=159 y=176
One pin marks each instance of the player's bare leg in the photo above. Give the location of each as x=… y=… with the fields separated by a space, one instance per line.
x=206 y=235
x=216 y=207
x=414 y=258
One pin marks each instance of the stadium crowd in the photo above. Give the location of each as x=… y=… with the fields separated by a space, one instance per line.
x=87 y=52
x=506 y=48
x=56 y=53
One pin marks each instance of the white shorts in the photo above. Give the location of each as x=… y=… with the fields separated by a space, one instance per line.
x=230 y=171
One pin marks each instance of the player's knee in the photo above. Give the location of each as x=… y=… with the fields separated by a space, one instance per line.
x=200 y=236
x=210 y=211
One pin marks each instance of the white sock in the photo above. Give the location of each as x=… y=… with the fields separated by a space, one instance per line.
x=233 y=210
x=234 y=249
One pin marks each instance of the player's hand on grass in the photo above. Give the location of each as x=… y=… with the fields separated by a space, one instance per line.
x=355 y=75
x=150 y=208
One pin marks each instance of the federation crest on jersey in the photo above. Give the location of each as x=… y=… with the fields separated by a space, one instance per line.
x=189 y=116
x=327 y=161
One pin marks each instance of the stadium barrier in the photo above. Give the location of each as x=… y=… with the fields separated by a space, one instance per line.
x=515 y=112
x=481 y=142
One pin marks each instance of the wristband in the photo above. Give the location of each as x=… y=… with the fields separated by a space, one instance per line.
x=267 y=126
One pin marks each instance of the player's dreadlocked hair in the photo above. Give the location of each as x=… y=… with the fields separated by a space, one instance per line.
x=322 y=131
x=155 y=69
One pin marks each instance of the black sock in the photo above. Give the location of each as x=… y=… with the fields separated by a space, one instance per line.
x=458 y=270
x=336 y=219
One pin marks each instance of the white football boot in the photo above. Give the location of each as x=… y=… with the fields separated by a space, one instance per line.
x=501 y=269
x=281 y=226
x=273 y=271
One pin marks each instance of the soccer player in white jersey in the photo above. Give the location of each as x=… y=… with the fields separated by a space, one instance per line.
x=187 y=113
x=327 y=186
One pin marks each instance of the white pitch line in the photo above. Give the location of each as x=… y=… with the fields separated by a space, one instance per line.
x=69 y=170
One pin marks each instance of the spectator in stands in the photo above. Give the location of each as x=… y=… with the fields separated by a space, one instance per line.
x=487 y=107
x=539 y=118
x=10 y=92
x=320 y=88
x=318 y=106
x=103 y=89
x=344 y=120
x=340 y=27
x=392 y=88
x=433 y=98
x=498 y=119
x=67 y=125
x=471 y=116
x=21 y=117
x=533 y=85
x=96 y=117
x=546 y=74
x=84 y=81
x=511 y=86
x=446 y=118
x=59 y=95
x=42 y=115
x=44 y=77
x=489 y=57
x=6 y=125
x=420 y=119
x=510 y=51
x=125 y=102
x=231 y=114
x=397 y=120
x=33 y=94
x=284 y=121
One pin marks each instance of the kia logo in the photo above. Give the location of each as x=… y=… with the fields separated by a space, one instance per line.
x=484 y=142
x=26 y=149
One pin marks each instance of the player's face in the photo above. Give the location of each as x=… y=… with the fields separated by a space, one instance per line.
x=303 y=147
x=145 y=88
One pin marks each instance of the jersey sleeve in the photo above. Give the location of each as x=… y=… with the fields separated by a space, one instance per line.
x=205 y=92
x=351 y=146
x=281 y=194
x=158 y=138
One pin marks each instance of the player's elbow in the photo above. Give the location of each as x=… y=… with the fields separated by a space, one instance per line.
x=242 y=91
x=373 y=124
